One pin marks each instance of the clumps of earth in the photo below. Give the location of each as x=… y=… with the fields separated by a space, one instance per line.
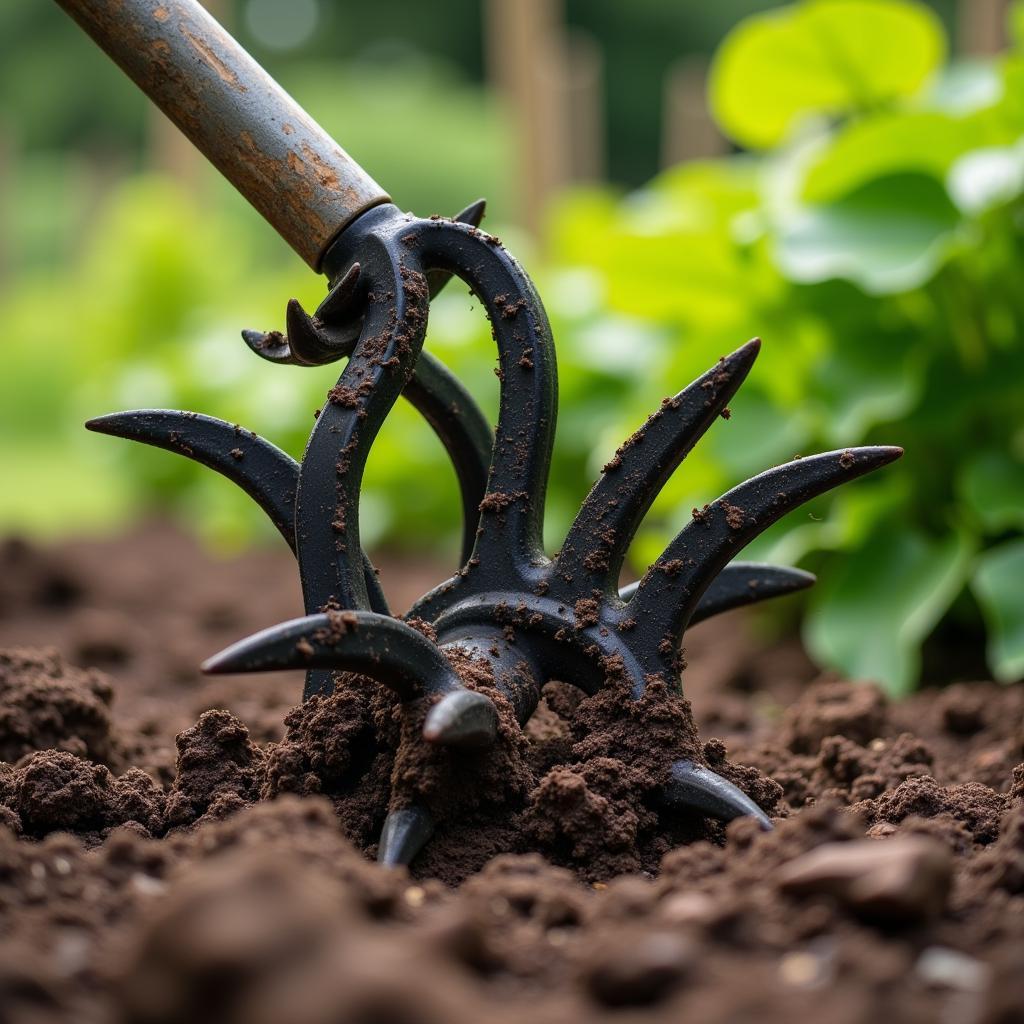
x=178 y=851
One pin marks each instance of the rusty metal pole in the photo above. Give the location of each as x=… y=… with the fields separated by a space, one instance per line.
x=301 y=181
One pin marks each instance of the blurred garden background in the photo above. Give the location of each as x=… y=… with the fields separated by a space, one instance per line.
x=844 y=178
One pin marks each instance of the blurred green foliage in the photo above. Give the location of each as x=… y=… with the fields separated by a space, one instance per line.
x=871 y=234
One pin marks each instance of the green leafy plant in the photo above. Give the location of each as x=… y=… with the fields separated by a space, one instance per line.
x=873 y=233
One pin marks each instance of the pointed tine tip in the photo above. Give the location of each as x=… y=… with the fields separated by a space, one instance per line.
x=751 y=349
x=871 y=457
x=793 y=579
x=269 y=345
x=222 y=663
x=692 y=785
x=277 y=648
x=473 y=214
x=339 y=298
x=294 y=309
x=744 y=357
x=462 y=718
x=246 y=656
x=404 y=834
x=105 y=424
x=131 y=424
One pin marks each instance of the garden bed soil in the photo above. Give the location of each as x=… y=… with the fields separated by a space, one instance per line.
x=178 y=849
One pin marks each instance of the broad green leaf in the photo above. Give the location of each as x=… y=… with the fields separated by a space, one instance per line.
x=889 y=143
x=874 y=609
x=991 y=485
x=998 y=584
x=820 y=57
x=888 y=236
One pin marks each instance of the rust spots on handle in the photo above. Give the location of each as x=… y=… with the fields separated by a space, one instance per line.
x=277 y=156
x=227 y=76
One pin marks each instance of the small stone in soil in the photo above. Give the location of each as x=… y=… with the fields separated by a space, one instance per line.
x=901 y=880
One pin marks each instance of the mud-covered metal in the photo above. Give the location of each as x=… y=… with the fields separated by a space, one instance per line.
x=518 y=615
x=301 y=181
x=527 y=617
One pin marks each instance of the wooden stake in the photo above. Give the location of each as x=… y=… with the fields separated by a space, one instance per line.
x=687 y=129
x=982 y=26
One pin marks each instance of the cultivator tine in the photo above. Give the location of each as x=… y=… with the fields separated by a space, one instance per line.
x=462 y=719
x=268 y=475
x=739 y=584
x=262 y=470
x=691 y=785
x=509 y=538
x=404 y=834
x=513 y=505
x=596 y=545
x=383 y=648
x=327 y=505
x=473 y=215
x=670 y=591
x=309 y=341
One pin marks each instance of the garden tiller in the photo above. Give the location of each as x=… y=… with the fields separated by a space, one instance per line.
x=513 y=615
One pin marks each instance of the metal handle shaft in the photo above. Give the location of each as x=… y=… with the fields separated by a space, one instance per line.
x=247 y=126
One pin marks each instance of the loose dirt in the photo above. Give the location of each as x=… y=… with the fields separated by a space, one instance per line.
x=174 y=849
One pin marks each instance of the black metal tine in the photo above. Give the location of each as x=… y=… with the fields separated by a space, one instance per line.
x=473 y=215
x=668 y=594
x=692 y=785
x=739 y=584
x=337 y=303
x=327 y=505
x=595 y=547
x=405 y=833
x=268 y=475
x=385 y=649
x=308 y=342
x=270 y=345
x=510 y=539
x=464 y=718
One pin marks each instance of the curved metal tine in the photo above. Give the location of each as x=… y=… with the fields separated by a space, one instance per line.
x=668 y=594
x=510 y=538
x=308 y=342
x=739 y=584
x=327 y=504
x=692 y=785
x=405 y=833
x=377 y=646
x=268 y=475
x=596 y=545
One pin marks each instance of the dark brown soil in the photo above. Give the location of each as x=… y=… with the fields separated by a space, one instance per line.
x=174 y=849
